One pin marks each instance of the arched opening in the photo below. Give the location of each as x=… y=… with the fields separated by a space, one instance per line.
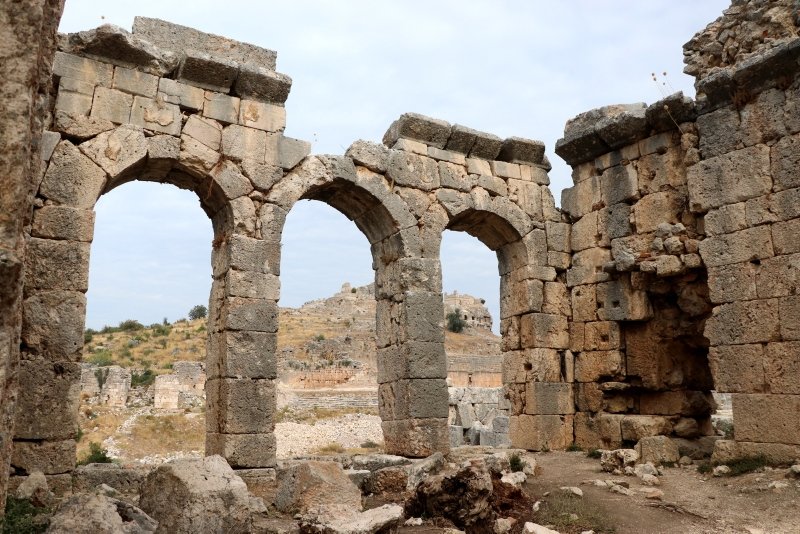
x=327 y=389
x=143 y=361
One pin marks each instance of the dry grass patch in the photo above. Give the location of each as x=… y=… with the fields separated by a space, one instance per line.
x=159 y=435
x=570 y=514
x=97 y=423
x=289 y=415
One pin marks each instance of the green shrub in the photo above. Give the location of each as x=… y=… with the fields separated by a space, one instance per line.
x=130 y=325
x=109 y=329
x=574 y=447
x=201 y=328
x=101 y=375
x=145 y=378
x=102 y=358
x=161 y=330
x=319 y=337
x=454 y=321
x=704 y=468
x=515 y=463
x=97 y=455
x=167 y=365
x=88 y=334
x=595 y=454
x=22 y=517
x=746 y=464
x=369 y=444
x=198 y=312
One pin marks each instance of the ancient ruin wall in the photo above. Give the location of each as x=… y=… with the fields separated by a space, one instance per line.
x=27 y=34
x=136 y=106
x=684 y=274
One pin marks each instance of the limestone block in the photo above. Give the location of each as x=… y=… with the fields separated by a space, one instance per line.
x=657 y=208
x=119 y=152
x=586 y=432
x=262 y=175
x=729 y=178
x=778 y=276
x=423 y=316
x=582 y=198
x=609 y=427
x=720 y=132
x=56 y=264
x=558 y=236
x=602 y=335
x=741 y=246
x=498 y=186
x=520 y=150
x=47 y=406
x=505 y=170
x=675 y=108
x=207 y=131
x=587 y=267
x=536 y=173
x=242 y=354
x=240 y=405
x=789 y=308
x=63 y=222
x=243 y=450
x=82 y=69
x=779 y=453
x=432 y=132
x=559 y=260
x=586 y=232
x=592 y=366
x=156 y=115
x=588 y=397
x=785 y=204
x=625 y=125
x=162 y=152
x=544 y=330
x=252 y=285
x=263 y=84
x=415 y=438
x=726 y=219
x=477 y=166
x=409 y=145
x=231 y=182
x=531 y=365
x=754 y=321
x=636 y=427
x=413 y=171
x=135 y=82
x=733 y=282
x=185 y=96
x=584 y=303
x=619 y=184
x=556 y=299
x=75 y=85
x=549 y=398
x=207 y=71
x=661 y=172
x=739 y=368
x=196 y=157
x=577 y=334
x=413 y=398
x=486 y=146
x=538 y=432
x=49 y=457
x=52 y=324
x=412 y=359
x=258 y=315
x=239 y=142
x=221 y=107
x=79 y=126
x=781 y=367
x=657 y=450
x=73 y=103
x=784 y=237
x=446 y=155
x=618 y=301
x=262 y=116
x=785 y=158
x=290 y=152
x=519 y=297
x=762 y=118
x=509 y=331
x=461 y=139
x=370 y=155
x=688 y=403
x=111 y=105
x=767 y=418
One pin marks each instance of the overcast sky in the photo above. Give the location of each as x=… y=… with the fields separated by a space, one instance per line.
x=518 y=68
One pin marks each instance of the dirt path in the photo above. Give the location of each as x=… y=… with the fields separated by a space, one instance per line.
x=692 y=503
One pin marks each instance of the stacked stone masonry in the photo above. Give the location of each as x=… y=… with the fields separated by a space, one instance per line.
x=670 y=272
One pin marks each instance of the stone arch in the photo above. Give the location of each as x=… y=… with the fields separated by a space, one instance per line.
x=411 y=361
x=54 y=305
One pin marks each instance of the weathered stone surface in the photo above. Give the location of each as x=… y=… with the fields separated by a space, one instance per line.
x=186 y=96
x=416 y=438
x=519 y=150
x=729 y=178
x=53 y=324
x=538 y=432
x=433 y=132
x=72 y=178
x=48 y=457
x=205 y=495
x=156 y=115
x=290 y=152
x=208 y=71
x=100 y=514
x=63 y=222
x=549 y=398
x=243 y=450
x=48 y=405
x=57 y=264
x=316 y=488
x=240 y=405
x=767 y=418
x=119 y=152
x=262 y=84
x=80 y=127
x=111 y=105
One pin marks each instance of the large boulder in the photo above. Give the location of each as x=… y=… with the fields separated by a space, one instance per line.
x=316 y=488
x=100 y=514
x=658 y=449
x=382 y=519
x=618 y=459
x=199 y=495
x=462 y=497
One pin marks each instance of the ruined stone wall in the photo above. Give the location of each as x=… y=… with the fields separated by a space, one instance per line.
x=472 y=310
x=683 y=272
x=182 y=388
x=27 y=41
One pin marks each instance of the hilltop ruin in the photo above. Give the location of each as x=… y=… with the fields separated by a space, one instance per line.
x=669 y=271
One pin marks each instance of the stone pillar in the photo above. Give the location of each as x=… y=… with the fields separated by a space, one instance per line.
x=28 y=31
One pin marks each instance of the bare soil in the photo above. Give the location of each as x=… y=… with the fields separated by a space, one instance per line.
x=692 y=503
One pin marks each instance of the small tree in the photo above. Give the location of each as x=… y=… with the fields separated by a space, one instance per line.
x=198 y=312
x=454 y=321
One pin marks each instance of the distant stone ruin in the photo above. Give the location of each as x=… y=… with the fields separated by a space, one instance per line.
x=671 y=269
x=472 y=310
